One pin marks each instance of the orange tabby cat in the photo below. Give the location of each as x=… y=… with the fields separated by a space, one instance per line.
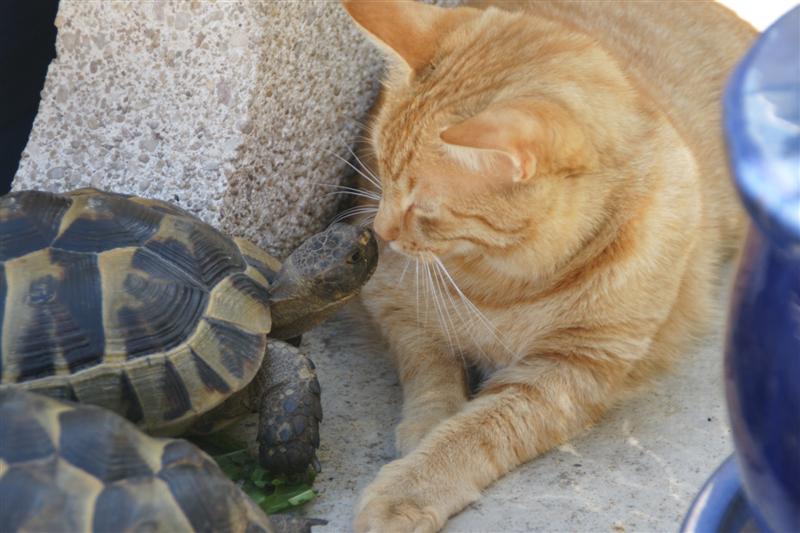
x=555 y=174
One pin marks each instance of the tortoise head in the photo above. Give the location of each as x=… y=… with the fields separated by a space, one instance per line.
x=320 y=276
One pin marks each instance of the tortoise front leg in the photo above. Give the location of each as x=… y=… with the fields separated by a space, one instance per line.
x=288 y=429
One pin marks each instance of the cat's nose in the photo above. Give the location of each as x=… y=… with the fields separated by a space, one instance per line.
x=386 y=228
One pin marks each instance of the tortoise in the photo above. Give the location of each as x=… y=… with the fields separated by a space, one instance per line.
x=137 y=306
x=73 y=467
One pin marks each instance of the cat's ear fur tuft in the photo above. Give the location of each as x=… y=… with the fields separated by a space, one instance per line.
x=408 y=30
x=522 y=136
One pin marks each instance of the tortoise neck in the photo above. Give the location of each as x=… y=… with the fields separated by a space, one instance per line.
x=295 y=305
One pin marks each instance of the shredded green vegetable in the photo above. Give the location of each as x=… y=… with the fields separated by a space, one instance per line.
x=272 y=493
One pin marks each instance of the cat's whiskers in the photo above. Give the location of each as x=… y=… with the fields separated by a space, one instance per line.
x=472 y=308
x=352 y=213
x=443 y=290
x=366 y=127
x=405 y=268
x=375 y=179
x=428 y=291
x=370 y=178
x=364 y=146
x=437 y=278
x=355 y=211
x=437 y=305
x=367 y=221
x=438 y=299
x=466 y=324
x=364 y=138
x=416 y=279
x=361 y=194
x=445 y=321
x=340 y=187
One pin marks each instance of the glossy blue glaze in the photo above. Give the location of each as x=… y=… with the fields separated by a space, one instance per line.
x=762 y=126
x=720 y=507
x=762 y=370
x=762 y=361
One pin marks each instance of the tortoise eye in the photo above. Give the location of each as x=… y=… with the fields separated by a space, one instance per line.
x=355 y=257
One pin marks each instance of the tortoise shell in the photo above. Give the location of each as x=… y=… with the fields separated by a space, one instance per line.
x=128 y=303
x=68 y=467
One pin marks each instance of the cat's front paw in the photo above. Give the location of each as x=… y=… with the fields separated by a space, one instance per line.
x=396 y=502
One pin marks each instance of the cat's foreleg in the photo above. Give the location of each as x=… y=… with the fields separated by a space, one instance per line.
x=434 y=386
x=524 y=411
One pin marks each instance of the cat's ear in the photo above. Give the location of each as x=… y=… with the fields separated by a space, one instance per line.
x=518 y=138
x=496 y=137
x=409 y=30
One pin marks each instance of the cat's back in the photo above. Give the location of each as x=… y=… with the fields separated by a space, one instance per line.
x=680 y=54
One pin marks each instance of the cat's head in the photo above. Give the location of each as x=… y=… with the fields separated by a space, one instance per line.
x=484 y=129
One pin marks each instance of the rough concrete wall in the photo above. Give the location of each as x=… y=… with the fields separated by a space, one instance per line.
x=232 y=110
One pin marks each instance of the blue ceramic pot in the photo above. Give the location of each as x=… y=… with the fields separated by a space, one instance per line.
x=762 y=361
x=720 y=506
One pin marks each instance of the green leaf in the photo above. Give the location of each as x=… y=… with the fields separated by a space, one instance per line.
x=259 y=477
x=304 y=497
x=256 y=495
x=272 y=493
x=286 y=496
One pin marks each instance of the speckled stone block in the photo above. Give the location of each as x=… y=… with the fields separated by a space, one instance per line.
x=236 y=111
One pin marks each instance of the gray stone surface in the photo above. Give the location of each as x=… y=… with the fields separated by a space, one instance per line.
x=233 y=110
x=638 y=470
